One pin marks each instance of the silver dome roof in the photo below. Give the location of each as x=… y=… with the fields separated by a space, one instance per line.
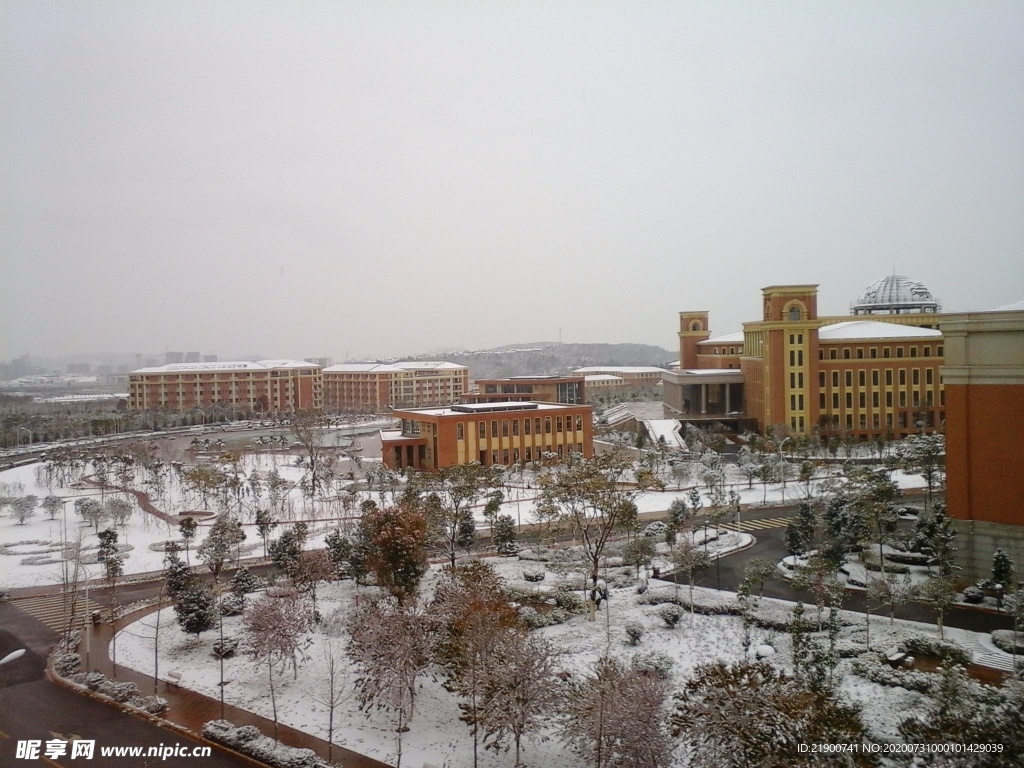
x=894 y=295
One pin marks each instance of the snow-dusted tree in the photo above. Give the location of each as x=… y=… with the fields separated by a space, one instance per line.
x=592 y=499
x=91 y=511
x=275 y=627
x=473 y=618
x=520 y=693
x=690 y=559
x=503 y=535
x=265 y=525
x=616 y=718
x=924 y=455
x=187 y=528
x=892 y=592
x=800 y=531
x=176 y=573
x=872 y=496
x=639 y=552
x=313 y=567
x=52 y=505
x=308 y=427
x=24 y=508
x=287 y=551
x=397 y=548
x=447 y=495
x=939 y=591
x=392 y=644
x=758 y=571
x=1002 y=569
x=195 y=607
x=334 y=688
x=749 y=713
x=243 y=582
x=679 y=520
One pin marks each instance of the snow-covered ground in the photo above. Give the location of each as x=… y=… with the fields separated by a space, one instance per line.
x=436 y=736
x=40 y=536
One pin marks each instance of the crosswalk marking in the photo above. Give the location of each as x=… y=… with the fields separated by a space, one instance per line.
x=51 y=609
x=757 y=525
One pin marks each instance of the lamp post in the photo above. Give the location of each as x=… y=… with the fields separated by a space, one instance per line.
x=782 y=466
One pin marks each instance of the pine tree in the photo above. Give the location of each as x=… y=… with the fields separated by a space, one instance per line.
x=1002 y=569
x=503 y=535
x=195 y=608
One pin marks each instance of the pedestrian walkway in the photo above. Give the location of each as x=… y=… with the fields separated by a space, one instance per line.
x=758 y=525
x=53 y=610
x=191 y=710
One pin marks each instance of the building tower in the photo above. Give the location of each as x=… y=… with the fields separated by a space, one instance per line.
x=693 y=329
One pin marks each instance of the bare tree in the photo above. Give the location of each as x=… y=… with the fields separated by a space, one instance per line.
x=308 y=427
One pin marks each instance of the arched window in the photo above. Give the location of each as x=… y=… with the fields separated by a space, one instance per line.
x=695 y=326
x=794 y=312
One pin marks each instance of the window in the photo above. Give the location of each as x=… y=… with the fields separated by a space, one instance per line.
x=862 y=378
x=792 y=402
x=899 y=351
x=558 y=424
x=526 y=426
x=821 y=401
x=927 y=352
x=494 y=428
x=547 y=425
x=916 y=376
x=860 y=353
x=849 y=378
x=873 y=353
x=504 y=427
x=849 y=400
x=832 y=354
x=939 y=352
x=886 y=353
x=862 y=400
x=536 y=426
x=903 y=377
x=888 y=401
x=846 y=354
x=821 y=378
x=460 y=431
x=515 y=430
x=913 y=351
x=835 y=401
x=800 y=380
x=800 y=402
x=794 y=313
x=579 y=422
x=483 y=429
x=835 y=378
x=928 y=377
x=874 y=378
x=529 y=452
x=888 y=378
x=903 y=398
x=874 y=399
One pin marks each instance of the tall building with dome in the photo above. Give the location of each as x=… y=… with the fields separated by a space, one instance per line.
x=869 y=374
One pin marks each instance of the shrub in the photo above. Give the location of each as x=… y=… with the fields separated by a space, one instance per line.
x=120 y=692
x=656 y=530
x=533 y=576
x=872 y=666
x=670 y=614
x=260 y=747
x=950 y=653
x=226 y=648
x=67 y=664
x=154 y=705
x=974 y=595
x=653 y=663
x=93 y=680
x=634 y=631
x=232 y=604
x=568 y=600
x=909 y=558
x=1004 y=640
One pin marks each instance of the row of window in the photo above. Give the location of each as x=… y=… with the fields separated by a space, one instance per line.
x=527 y=426
x=862 y=377
x=513 y=456
x=915 y=398
x=858 y=353
x=902 y=420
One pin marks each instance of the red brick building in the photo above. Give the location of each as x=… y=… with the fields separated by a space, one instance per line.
x=568 y=390
x=375 y=387
x=265 y=386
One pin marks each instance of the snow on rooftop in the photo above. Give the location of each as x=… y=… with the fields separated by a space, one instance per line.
x=238 y=365
x=417 y=365
x=412 y=365
x=872 y=329
x=618 y=369
x=1016 y=307
x=603 y=377
x=729 y=338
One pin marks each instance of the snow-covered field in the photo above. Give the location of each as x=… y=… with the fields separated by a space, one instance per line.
x=40 y=536
x=436 y=736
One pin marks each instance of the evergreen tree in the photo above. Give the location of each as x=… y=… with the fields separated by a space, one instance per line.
x=287 y=550
x=1002 y=569
x=503 y=535
x=196 y=608
x=176 y=573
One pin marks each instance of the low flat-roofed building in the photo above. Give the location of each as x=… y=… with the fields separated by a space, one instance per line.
x=568 y=390
x=505 y=433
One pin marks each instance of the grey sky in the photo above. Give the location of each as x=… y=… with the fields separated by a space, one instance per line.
x=297 y=179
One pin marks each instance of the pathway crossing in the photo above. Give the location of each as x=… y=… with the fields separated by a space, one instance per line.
x=759 y=525
x=51 y=610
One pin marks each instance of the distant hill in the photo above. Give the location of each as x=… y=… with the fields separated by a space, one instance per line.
x=550 y=358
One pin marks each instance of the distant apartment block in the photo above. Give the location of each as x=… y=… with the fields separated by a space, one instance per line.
x=609 y=380
x=568 y=390
x=375 y=387
x=489 y=433
x=265 y=386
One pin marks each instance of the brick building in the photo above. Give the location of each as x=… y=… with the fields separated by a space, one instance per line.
x=984 y=379
x=873 y=373
x=265 y=386
x=568 y=390
x=375 y=387
x=503 y=433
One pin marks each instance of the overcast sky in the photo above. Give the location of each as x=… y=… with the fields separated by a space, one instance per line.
x=355 y=179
